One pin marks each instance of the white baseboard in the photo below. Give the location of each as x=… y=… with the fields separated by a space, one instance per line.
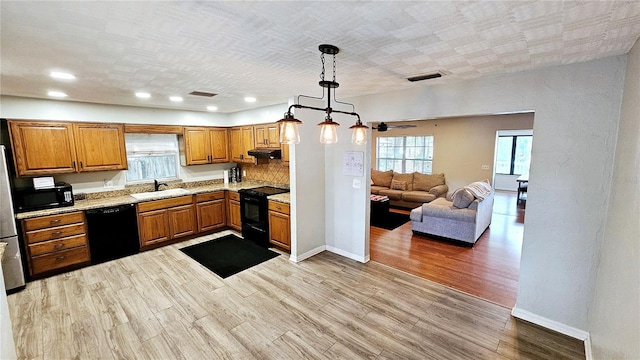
x=551 y=324
x=362 y=259
x=308 y=254
x=587 y=348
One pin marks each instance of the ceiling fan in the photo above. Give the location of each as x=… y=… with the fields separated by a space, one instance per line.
x=384 y=127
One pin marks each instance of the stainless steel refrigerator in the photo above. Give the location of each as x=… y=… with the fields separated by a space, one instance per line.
x=11 y=262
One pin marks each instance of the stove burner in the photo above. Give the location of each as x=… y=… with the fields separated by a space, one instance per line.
x=263 y=191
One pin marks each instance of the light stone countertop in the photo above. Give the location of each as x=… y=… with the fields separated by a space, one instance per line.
x=81 y=205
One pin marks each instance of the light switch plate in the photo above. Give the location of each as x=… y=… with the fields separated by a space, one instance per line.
x=357 y=184
x=485 y=167
x=108 y=184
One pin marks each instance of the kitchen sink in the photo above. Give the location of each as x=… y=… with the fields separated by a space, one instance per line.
x=160 y=194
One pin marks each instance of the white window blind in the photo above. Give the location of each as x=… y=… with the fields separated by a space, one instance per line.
x=151 y=156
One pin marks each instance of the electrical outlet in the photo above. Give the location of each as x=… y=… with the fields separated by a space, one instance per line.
x=107 y=184
x=357 y=184
x=485 y=167
x=244 y=173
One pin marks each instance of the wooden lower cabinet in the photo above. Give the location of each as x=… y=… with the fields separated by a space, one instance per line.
x=279 y=225
x=233 y=211
x=55 y=242
x=163 y=220
x=211 y=211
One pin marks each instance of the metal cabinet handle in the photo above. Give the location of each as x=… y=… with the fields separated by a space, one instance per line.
x=81 y=166
x=58 y=246
x=73 y=164
x=56 y=233
x=55 y=221
x=61 y=257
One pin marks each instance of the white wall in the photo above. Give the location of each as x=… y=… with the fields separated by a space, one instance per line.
x=346 y=206
x=307 y=173
x=615 y=312
x=263 y=115
x=577 y=109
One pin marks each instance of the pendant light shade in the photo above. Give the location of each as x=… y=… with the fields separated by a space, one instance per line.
x=359 y=136
x=328 y=131
x=289 y=133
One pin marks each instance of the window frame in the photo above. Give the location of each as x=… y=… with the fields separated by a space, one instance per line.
x=174 y=151
x=429 y=149
x=514 y=142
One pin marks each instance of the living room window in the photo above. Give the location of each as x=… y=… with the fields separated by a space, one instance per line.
x=151 y=156
x=513 y=155
x=405 y=154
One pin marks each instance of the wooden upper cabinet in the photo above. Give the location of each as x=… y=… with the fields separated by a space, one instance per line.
x=219 y=145
x=285 y=153
x=242 y=140
x=48 y=148
x=43 y=148
x=204 y=145
x=100 y=147
x=267 y=136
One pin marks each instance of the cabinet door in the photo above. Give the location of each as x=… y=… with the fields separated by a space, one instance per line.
x=182 y=221
x=280 y=229
x=219 y=145
x=248 y=143
x=100 y=147
x=236 y=144
x=43 y=148
x=235 y=221
x=153 y=227
x=196 y=145
x=211 y=215
x=285 y=153
x=273 y=136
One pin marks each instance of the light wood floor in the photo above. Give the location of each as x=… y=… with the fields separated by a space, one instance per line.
x=163 y=305
x=489 y=269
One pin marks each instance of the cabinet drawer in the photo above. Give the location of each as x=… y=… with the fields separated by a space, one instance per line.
x=59 y=259
x=217 y=195
x=234 y=196
x=279 y=207
x=53 y=220
x=45 y=247
x=164 y=204
x=54 y=233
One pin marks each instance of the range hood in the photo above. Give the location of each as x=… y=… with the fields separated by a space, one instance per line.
x=265 y=153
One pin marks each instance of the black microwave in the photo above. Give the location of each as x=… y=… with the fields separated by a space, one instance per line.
x=31 y=199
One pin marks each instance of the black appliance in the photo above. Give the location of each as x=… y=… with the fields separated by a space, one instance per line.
x=266 y=153
x=113 y=232
x=60 y=195
x=254 y=211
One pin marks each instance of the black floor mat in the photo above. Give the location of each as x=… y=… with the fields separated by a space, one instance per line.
x=390 y=221
x=228 y=255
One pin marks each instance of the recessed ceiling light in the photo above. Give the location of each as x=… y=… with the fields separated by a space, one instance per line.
x=62 y=75
x=250 y=99
x=58 y=94
x=175 y=98
x=143 y=95
x=212 y=108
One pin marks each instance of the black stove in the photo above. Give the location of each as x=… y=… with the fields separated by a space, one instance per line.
x=254 y=211
x=263 y=191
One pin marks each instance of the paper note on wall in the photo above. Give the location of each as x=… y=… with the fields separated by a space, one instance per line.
x=353 y=163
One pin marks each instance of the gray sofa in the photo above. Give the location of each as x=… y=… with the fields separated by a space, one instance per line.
x=441 y=218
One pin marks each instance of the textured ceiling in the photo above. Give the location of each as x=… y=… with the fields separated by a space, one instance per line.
x=270 y=49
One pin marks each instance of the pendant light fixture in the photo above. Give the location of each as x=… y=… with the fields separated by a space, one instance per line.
x=328 y=128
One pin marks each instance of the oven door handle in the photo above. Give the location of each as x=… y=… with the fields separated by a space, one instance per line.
x=257 y=228
x=251 y=199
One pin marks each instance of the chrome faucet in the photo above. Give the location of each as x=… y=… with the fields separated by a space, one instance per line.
x=157 y=185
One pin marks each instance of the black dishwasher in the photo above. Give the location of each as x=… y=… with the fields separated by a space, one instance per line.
x=113 y=232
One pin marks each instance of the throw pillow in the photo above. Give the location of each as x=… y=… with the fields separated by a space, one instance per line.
x=398 y=185
x=479 y=189
x=381 y=178
x=407 y=178
x=424 y=182
x=462 y=198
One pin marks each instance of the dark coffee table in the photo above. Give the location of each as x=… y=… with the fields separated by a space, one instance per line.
x=379 y=207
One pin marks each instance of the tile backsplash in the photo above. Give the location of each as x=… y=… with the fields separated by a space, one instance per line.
x=276 y=171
